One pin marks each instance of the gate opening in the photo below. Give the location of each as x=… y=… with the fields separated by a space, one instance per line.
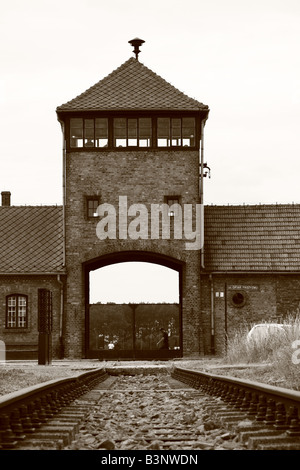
x=130 y=303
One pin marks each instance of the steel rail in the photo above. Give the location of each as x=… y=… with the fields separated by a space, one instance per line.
x=277 y=406
x=23 y=411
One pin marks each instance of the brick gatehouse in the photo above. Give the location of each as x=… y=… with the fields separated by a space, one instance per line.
x=134 y=140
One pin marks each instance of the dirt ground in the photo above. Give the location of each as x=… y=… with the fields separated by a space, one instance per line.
x=16 y=375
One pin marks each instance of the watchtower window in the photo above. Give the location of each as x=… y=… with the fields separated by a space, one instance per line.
x=175 y=132
x=132 y=132
x=88 y=132
x=145 y=132
x=188 y=131
x=101 y=132
x=76 y=132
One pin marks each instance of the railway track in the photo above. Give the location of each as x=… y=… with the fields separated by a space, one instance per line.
x=178 y=410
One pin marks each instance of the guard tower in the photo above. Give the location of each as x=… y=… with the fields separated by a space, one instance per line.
x=132 y=151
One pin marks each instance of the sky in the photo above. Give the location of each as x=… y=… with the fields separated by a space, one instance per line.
x=133 y=280
x=239 y=57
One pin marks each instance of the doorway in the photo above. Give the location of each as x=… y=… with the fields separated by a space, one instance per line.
x=129 y=303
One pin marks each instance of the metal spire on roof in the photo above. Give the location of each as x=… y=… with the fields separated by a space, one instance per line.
x=136 y=43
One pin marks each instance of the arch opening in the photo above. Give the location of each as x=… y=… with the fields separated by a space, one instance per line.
x=129 y=302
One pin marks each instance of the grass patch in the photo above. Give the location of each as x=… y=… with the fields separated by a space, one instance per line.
x=279 y=350
x=16 y=378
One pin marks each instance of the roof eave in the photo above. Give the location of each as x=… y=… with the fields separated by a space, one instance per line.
x=33 y=273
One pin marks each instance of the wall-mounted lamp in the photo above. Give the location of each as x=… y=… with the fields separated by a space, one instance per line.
x=206 y=170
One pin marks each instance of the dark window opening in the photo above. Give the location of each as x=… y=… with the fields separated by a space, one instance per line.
x=176 y=132
x=92 y=204
x=16 y=311
x=88 y=132
x=76 y=132
x=137 y=132
x=132 y=132
x=101 y=132
x=173 y=203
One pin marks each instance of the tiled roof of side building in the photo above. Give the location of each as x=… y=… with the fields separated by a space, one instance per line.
x=132 y=86
x=237 y=238
x=252 y=238
x=31 y=239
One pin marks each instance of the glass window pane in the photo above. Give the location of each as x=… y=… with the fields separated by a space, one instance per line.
x=101 y=127
x=188 y=131
x=163 y=132
x=132 y=132
x=76 y=132
x=22 y=301
x=175 y=203
x=89 y=123
x=89 y=132
x=120 y=127
x=12 y=301
x=11 y=311
x=176 y=131
x=120 y=132
x=176 y=127
x=132 y=127
x=92 y=207
x=22 y=312
x=101 y=132
x=145 y=132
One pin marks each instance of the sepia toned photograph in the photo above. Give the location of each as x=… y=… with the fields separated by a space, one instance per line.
x=149 y=230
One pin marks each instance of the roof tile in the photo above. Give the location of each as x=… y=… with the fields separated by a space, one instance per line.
x=132 y=86
x=31 y=239
x=239 y=238
x=256 y=238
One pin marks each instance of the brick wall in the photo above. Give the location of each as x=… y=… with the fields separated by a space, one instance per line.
x=27 y=338
x=268 y=297
x=146 y=178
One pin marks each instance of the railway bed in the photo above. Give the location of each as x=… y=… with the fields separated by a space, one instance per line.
x=177 y=409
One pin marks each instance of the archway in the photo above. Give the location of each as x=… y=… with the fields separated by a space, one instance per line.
x=130 y=297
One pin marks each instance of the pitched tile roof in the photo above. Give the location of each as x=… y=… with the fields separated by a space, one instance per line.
x=132 y=86
x=237 y=238
x=254 y=238
x=31 y=239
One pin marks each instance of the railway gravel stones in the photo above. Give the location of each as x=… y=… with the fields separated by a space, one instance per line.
x=140 y=409
x=153 y=412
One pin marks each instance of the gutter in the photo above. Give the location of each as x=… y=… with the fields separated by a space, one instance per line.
x=32 y=273
x=61 y=315
x=212 y=316
x=64 y=191
x=249 y=272
x=201 y=184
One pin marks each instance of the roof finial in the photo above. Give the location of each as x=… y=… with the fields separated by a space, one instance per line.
x=136 y=43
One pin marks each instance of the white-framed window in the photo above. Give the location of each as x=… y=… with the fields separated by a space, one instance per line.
x=16 y=311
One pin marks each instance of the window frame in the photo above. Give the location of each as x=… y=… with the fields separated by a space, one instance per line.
x=241 y=296
x=88 y=199
x=88 y=133
x=154 y=116
x=16 y=326
x=172 y=199
x=127 y=137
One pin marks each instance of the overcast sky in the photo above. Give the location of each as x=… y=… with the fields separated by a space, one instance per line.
x=240 y=57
